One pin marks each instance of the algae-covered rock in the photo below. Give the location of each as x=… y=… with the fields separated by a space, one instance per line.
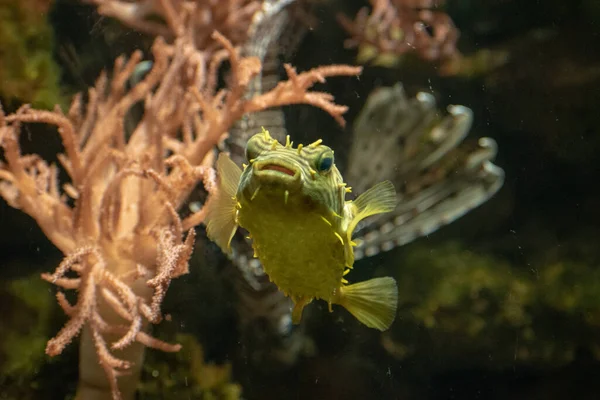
x=461 y=309
x=28 y=73
x=186 y=375
x=26 y=306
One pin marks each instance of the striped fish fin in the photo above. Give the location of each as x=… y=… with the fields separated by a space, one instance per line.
x=264 y=45
x=269 y=341
x=438 y=177
x=277 y=32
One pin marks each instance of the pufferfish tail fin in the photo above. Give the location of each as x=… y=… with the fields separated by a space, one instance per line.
x=372 y=302
x=221 y=214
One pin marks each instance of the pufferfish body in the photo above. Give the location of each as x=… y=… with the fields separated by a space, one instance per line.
x=292 y=202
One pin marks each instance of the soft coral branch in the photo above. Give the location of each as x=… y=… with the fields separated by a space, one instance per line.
x=173 y=19
x=225 y=107
x=117 y=220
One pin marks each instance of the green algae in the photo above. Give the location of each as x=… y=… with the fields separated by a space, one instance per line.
x=28 y=72
x=458 y=309
x=186 y=374
x=27 y=308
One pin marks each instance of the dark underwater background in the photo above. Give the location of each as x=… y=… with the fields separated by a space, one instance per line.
x=501 y=304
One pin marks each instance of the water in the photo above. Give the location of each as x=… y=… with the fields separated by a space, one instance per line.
x=500 y=303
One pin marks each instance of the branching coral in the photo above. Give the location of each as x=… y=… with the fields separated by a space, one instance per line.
x=117 y=220
x=396 y=27
x=165 y=18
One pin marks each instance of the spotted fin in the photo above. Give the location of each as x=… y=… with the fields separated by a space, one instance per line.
x=221 y=215
x=411 y=143
x=372 y=302
x=471 y=182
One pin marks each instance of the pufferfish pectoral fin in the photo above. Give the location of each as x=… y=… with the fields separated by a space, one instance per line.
x=372 y=302
x=381 y=198
x=221 y=214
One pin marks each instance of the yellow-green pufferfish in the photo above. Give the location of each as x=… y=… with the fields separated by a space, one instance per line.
x=292 y=202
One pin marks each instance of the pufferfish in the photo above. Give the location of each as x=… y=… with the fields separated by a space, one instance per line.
x=292 y=203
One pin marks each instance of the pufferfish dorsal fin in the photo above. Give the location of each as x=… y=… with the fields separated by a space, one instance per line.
x=381 y=198
x=221 y=215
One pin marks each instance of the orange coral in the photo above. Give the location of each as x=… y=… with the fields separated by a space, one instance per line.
x=117 y=220
x=166 y=17
x=395 y=27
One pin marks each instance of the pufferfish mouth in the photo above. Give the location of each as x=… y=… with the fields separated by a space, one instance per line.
x=277 y=173
x=278 y=168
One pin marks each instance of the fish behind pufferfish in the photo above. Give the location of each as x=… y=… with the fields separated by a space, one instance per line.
x=292 y=202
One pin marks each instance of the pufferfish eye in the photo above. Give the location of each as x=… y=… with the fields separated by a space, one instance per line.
x=325 y=161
